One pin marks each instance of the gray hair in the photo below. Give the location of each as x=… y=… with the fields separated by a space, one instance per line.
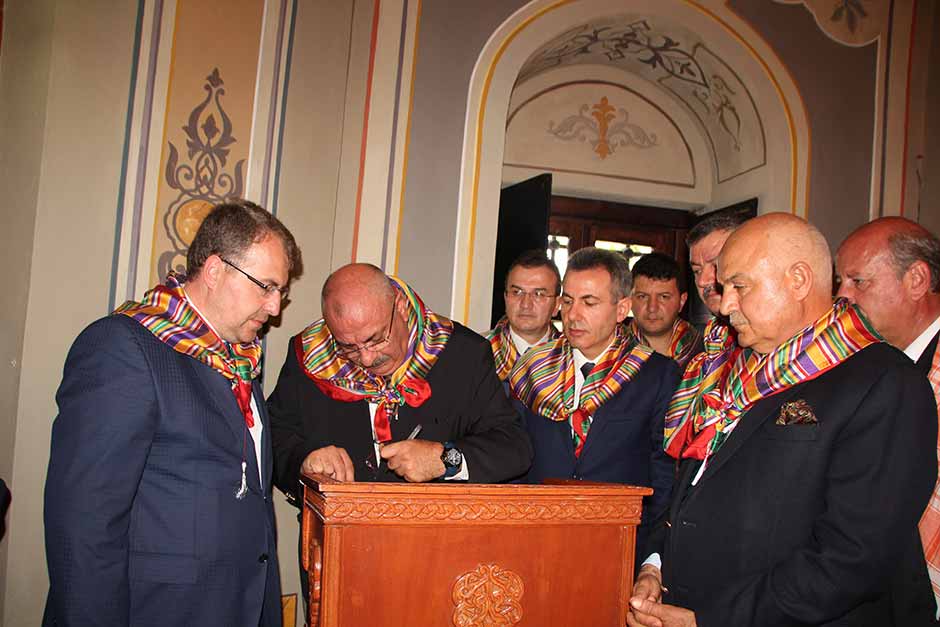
x=614 y=263
x=907 y=248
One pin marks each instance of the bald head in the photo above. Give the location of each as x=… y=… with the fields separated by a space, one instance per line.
x=355 y=289
x=367 y=320
x=776 y=275
x=890 y=268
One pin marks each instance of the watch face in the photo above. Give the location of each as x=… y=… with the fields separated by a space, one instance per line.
x=452 y=457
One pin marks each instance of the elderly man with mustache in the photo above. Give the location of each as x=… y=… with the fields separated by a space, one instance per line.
x=806 y=459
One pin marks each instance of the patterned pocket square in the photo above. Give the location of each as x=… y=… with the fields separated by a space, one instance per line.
x=796 y=413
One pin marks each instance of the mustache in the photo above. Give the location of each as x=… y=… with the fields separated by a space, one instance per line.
x=380 y=361
x=736 y=319
x=708 y=290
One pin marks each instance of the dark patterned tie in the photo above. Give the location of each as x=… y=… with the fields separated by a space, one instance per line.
x=585 y=371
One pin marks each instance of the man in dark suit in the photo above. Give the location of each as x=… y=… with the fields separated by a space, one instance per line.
x=809 y=461
x=532 y=295
x=594 y=399
x=384 y=389
x=158 y=503
x=890 y=268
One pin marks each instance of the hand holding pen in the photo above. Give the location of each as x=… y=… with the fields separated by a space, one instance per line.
x=415 y=460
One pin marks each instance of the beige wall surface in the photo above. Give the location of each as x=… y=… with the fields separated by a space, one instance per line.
x=24 y=76
x=79 y=163
x=930 y=170
x=837 y=83
x=451 y=37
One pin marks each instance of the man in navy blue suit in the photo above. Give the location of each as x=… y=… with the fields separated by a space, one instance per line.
x=594 y=399
x=158 y=498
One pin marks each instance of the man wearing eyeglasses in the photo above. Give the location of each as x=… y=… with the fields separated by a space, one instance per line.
x=158 y=503
x=533 y=286
x=384 y=389
x=594 y=399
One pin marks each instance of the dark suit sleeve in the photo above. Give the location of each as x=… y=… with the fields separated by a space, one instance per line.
x=495 y=442
x=881 y=474
x=100 y=443
x=290 y=444
x=662 y=467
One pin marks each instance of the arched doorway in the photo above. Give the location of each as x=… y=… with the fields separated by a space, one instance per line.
x=548 y=42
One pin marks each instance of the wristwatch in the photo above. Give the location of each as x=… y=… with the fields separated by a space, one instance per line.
x=452 y=459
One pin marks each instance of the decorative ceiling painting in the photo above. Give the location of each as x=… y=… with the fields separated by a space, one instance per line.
x=850 y=22
x=681 y=63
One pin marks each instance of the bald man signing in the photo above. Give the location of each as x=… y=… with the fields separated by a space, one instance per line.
x=890 y=268
x=809 y=460
x=384 y=389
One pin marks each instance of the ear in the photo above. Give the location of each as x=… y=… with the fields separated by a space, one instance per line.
x=916 y=280
x=557 y=306
x=623 y=308
x=401 y=305
x=683 y=296
x=212 y=270
x=800 y=279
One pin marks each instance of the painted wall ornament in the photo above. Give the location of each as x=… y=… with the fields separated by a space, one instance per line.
x=201 y=178
x=678 y=61
x=601 y=129
x=850 y=22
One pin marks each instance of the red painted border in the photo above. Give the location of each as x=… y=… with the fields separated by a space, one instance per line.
x=365 y=128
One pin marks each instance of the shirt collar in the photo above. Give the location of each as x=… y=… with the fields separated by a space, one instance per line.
x=580 y=359
x=916 y=348
x=520 y=342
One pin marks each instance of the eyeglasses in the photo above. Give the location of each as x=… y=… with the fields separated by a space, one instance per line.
x=269 y=289
x=538 y=295
x=348 y=350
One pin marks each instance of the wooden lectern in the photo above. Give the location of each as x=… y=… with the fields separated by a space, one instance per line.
x=388 y=555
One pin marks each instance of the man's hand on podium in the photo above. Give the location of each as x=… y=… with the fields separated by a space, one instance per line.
x=415 y=460
x=332 y=461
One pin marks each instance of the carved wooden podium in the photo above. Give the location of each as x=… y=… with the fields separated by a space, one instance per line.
x=388 y=555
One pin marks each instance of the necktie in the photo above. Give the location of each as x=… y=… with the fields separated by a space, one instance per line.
x=581 y=422
x=586 y=369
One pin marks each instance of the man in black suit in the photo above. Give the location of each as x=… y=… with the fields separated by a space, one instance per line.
x=812 y=458
x=384 y=389
x=594 y=399
x=890 y=268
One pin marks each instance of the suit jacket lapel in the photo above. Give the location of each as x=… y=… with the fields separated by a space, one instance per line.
x=747 y=425
x=219 y=393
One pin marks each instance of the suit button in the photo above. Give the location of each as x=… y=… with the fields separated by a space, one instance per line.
x=686 y=523
x=263 y=558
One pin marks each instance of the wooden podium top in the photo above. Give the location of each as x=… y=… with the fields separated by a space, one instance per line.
x=559 y=502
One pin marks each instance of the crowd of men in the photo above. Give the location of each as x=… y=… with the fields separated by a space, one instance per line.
x=791 y=444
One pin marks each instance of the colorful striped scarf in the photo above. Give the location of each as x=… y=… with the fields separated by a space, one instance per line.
x=166 y=312
x=821 y=346
x=704 y=373
x=681 y=344
x=543 y=380
x=505 y=353
x=342 y=380
x=929 y=525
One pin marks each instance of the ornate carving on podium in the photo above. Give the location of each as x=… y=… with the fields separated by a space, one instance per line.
x=391 y=509
x=489 y=595
x=312 y=561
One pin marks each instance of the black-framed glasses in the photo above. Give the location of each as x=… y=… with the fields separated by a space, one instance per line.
x=538 y=295
x=348 y=350
x=269 y=289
